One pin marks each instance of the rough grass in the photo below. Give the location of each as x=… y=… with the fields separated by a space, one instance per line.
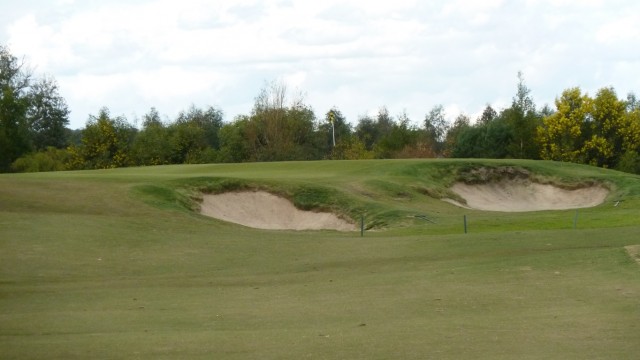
x=113 y=264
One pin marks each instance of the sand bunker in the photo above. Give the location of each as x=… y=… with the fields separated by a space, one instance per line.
x=262 y=210
x=512 y=195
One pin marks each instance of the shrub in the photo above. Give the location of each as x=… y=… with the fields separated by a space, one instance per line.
x=51 y=159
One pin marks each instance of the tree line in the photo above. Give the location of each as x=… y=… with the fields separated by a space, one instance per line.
x=603 y=131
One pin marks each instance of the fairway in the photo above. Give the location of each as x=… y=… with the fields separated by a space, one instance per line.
x=120 y=264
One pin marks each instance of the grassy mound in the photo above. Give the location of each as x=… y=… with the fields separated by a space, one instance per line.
x=403 y=193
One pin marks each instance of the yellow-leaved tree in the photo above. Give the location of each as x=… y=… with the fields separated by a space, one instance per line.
x=561 y=133
x=105 y=143
x=605 y=128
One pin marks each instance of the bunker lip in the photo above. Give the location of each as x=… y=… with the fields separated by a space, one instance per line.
x=263 y=210
x=521 y=194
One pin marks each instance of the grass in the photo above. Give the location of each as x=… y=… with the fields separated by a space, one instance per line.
x=114 y=264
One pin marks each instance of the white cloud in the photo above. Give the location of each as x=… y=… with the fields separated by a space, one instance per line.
x=622 y=31
x=405 y=54
x=27 y=37
x=295 y=80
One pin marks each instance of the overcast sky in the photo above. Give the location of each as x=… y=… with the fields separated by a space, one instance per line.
x=131 y=55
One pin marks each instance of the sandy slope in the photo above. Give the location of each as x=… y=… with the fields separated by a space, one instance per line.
x=524 y=195
x=263 y=210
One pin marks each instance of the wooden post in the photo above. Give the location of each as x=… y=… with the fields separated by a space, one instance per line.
x=465 y=224
x=362 y=226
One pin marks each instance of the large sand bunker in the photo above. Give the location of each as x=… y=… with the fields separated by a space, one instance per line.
x=512 y=195
x=262 y=210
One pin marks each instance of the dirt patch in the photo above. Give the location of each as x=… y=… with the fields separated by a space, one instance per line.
x=634 y=252
x=262 y=210
x=512 y=190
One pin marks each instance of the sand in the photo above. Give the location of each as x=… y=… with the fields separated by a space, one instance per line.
x=514 y=195
x=262 y=210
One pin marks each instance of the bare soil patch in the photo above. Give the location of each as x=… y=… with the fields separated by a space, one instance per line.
x=262 y=210
x=634 y=252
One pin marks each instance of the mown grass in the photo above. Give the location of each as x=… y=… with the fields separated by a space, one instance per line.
x=114 y=264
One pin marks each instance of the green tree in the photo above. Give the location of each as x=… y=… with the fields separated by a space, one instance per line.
x=367 y=132
x=268 y=120
x=436 y=127
x=488 y=137
x=234 y=143
x=523 y=122
x=334 y=126
x=389 y=135
x=152 y=145
x=403 y=140
x=278 y=130
x=372 y=133
x=461 y=124
x=194 y=137
x=73 y=136
x=14 y=104
x=496 y=140
x=629 y=162
x=470 y=142
x=301 y=132
x=47 y=115
x=632 y=102
x=488 y=115
x=484 y=139
x=209 y=120
x=187 y=142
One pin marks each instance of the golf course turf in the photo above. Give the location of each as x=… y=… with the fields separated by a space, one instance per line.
x=120 y=264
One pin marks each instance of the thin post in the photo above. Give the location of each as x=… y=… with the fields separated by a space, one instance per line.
x=575 y=220
x=465 y=224
x=362 y=226
x=333 y=131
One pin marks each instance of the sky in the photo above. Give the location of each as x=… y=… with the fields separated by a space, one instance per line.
x=356 y=56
